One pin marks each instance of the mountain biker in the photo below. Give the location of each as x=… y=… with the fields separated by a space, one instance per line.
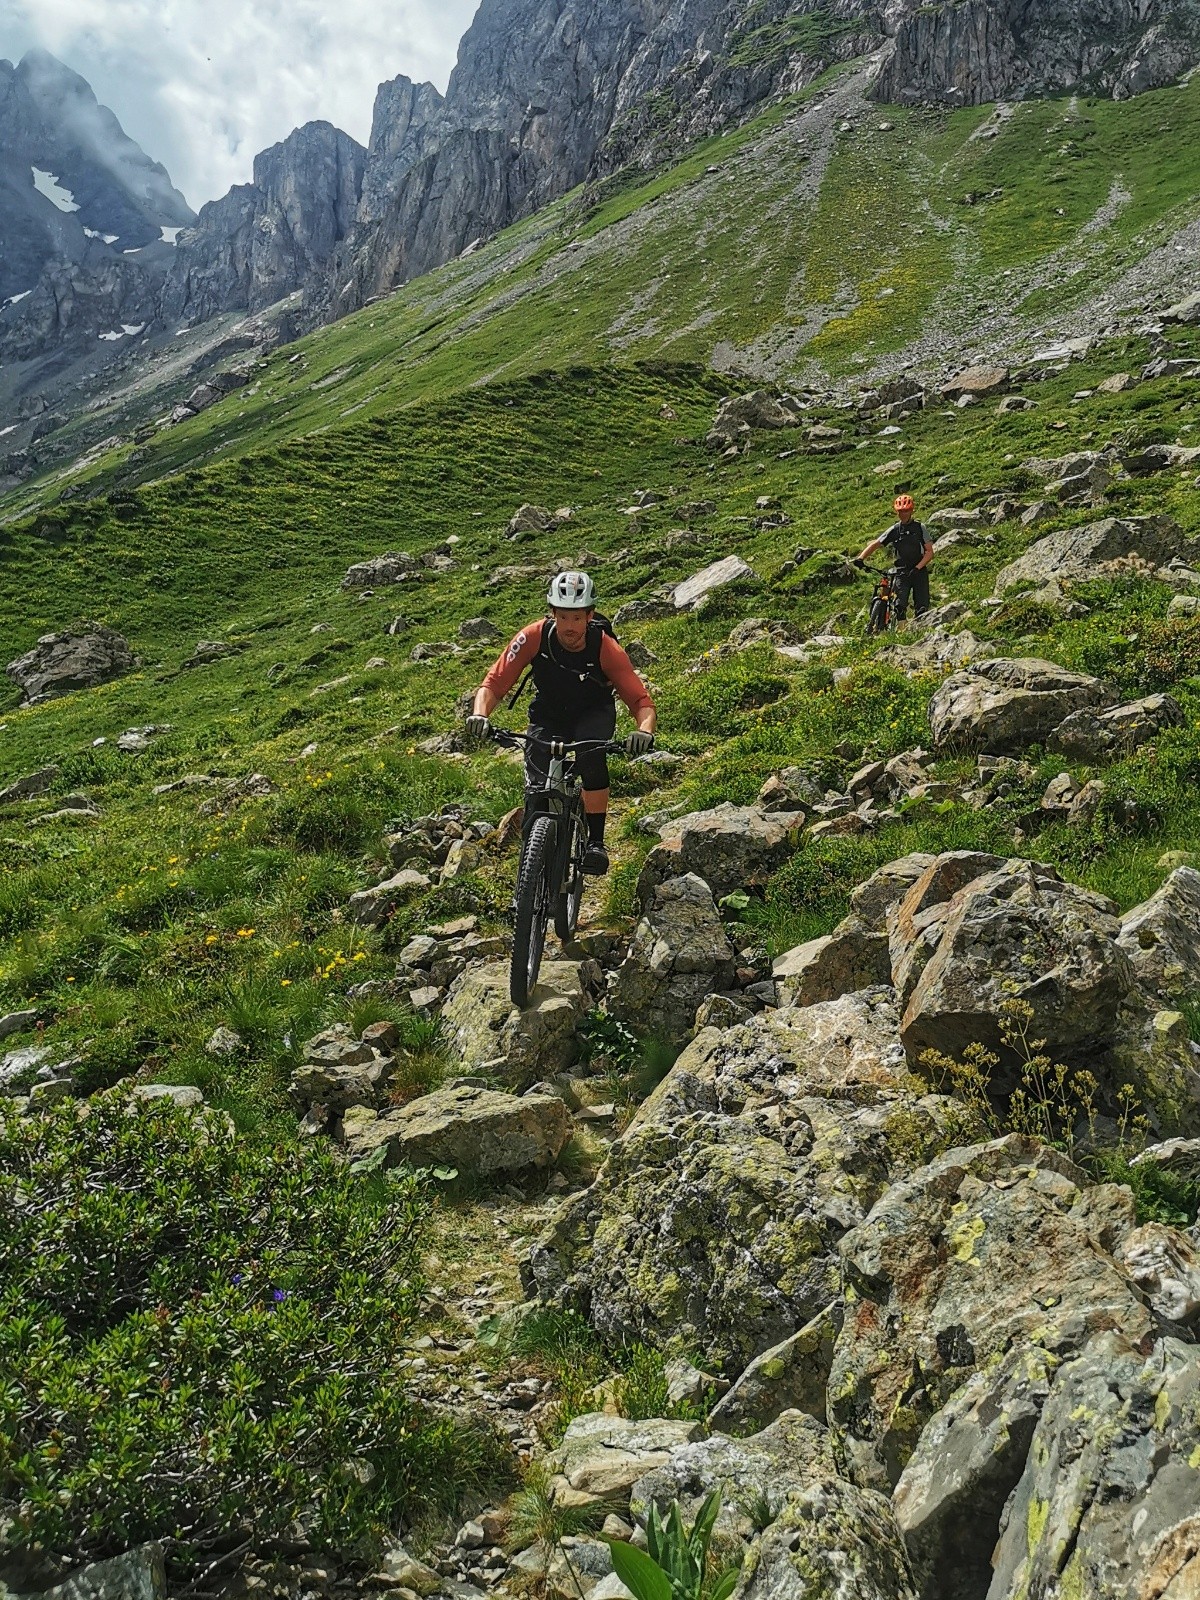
x=576 y=664
x=911 y=552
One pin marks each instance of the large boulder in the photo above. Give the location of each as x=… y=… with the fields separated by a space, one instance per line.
x=1004 y=705
x=730 y=847
x=1092 y=735
x=851 y=957
x=62 y=662
x=977 y=381
x=988 y=1247
x=716 y=1217
x=761 y=1471
x=602 y=1457
x=680 y=953
x=1106 y=1507
x=792 y=1375
x=1162 y=937
x=951 y=1494
x=485 y=1031
x=371 y=908
x=965 y=943
x=477 y=1131
x=1071 y=555
x=830 y=1539
x=738 y=415
x=691 y=594
x=395 y=566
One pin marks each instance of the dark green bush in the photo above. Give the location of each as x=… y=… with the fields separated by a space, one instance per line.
x=179 y=1361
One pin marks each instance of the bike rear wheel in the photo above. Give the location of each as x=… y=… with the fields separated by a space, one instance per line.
x=567 y=903
x=532 y=907
x=878 y=618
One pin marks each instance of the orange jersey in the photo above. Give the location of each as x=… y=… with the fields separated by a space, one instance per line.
x=523 y=648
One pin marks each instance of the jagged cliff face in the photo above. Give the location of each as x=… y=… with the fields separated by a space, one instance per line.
x=262 y=240
x=545 y=96
x=980 y=50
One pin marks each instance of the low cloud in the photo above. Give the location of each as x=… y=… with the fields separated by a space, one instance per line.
x=204 y=85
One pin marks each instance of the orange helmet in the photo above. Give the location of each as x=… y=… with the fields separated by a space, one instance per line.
x=904 y=502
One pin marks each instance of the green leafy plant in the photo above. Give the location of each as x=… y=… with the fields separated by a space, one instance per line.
x=674 y=1565
x=179 y=1363
x=538 y=1519
x=1048 y=1102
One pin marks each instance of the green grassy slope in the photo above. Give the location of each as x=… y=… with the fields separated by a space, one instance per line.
x=827 y=238
x=136 y=934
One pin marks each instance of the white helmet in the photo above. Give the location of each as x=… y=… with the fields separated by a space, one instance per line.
x=572 y=591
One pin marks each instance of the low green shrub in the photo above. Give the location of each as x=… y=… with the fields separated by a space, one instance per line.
x=177 y=1360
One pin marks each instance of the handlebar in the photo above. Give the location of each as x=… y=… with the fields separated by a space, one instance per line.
x=557 y=747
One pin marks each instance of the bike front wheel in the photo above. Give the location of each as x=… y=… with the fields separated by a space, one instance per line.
x=532 y=910
x=569 y=899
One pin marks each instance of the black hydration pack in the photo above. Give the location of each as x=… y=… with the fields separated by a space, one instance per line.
x=556 y=675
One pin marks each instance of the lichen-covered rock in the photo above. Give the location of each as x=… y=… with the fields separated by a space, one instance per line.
x=716 y=1216
x=679 y=954
x=851 y=957
x=1107 y=1508
x=760 y=409
x=62 y=662
x=1071 y=555
x=832 y=1541
x=485 y=1030
x=1164 y=1265
x=691 y=594
x=371 y=908
x=1017 y=932
x=476 y=1131
x=605 y=1456
x=730 y=847
x=986 y=1248
x=968 y=1460
x=395 y=566
x=1005 y=705
x=1092 y=735
x=758 y=1472
x=1162 y=937
x=792 y=1375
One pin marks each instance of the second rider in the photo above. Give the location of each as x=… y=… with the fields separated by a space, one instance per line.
x=577 y=666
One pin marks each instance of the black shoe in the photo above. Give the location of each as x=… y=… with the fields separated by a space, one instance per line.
x=595 y=861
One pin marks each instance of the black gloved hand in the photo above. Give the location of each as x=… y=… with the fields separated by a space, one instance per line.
x=479 y=728
x=639 y=743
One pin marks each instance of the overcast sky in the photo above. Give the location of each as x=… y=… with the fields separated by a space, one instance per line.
x=203 y=85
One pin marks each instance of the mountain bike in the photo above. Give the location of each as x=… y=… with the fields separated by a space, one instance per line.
x=881 y=614
x=553 y=840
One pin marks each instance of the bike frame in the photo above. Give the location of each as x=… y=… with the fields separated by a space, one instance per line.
x=559 y=793
x=556 y=798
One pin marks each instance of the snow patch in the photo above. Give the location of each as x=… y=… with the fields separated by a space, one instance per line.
x=15 y=299
x=105 y=238
x=12 y=428
x=170 y=235
x=136 y=251
x=47 y=184
x=126 y=331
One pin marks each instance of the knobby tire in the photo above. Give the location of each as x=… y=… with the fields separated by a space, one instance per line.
x=532 y=906
x=566 y=905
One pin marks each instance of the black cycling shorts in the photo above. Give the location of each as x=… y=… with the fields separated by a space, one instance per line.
x=600 y=722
